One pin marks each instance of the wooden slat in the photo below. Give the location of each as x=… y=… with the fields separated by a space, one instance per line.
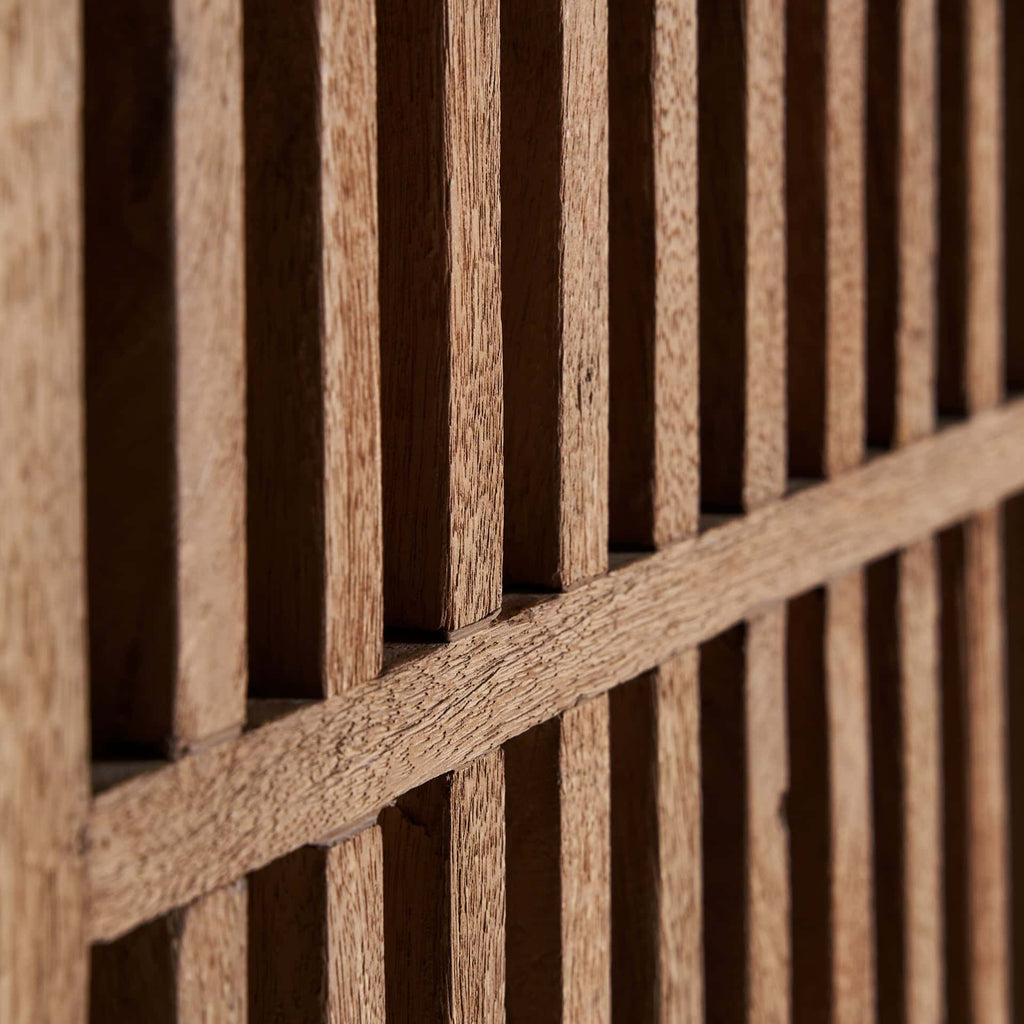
x=165 y=372
x=742 y=248
x=825 y=87
x=1013 y=236
x=43 y=715
x=444 y=897
x=187 y=967
x=657 y=955
x=317 y=932
x=558 y=944
x=653 y=281
x=165 y=837
x=314 y=515
x=554 y=146
x=438 y=151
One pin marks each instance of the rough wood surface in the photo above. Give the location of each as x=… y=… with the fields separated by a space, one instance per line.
x=653 y=280
x=165 y=837
x=165 y=371
x=440 y=334
x=315 y=599
x=657 y=943
x=742 y=252
x=43 y=688
x=554 y=147
x=1013 y=186
x=825 y=97
x=317 y=946
x=188 y=967
x=444 y=897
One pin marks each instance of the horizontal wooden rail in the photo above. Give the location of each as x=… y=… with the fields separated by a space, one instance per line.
x=166 y=837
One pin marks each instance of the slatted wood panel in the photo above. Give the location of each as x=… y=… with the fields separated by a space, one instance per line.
x=483 y=474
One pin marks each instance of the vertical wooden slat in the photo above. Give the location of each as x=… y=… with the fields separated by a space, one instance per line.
x=555 y=289
x=187 y=967
x=317 y=935
x=444 y=897
x=43 y=787
x=559 y=867
x=315 y=590
x=438 y=152
x=1013 y=234
x=653 y=281
x=742 y=248
x=165 y=382
x=657 y=958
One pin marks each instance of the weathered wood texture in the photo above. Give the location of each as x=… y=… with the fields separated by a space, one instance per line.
x=317 y=935
x=657 y=941
x=653 y=278
x=43 y=713
x=314 y=485
x=444 y=897
x=163 y=838
x=185 y=968
x=554 y=198
x=440 y=314
x=164 y=372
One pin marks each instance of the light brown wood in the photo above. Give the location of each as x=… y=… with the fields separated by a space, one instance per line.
x=187 y=967
x=657 y=954
x=852 y=900
x=165 y=373
x=742 y=285
x=444 y=897
x=318 y=946
x=826 y=234
x=43 y=712
x=315 y=606
x=165 y=837
x=653 y=279
x=1013 y=190
x=554 y=146
x=439 y=118
x=584 y=800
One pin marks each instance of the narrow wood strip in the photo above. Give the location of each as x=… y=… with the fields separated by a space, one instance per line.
x=187 y=967
x=1013 y=232
x=438 y=152
x=165 y=372
x=585 y=816
x=826 y=252
x=657 y=955
x=314 y=516
x=317 y=934
x=444 y=897
x=555 y=289
x=742 y=244
x=43 y=686
x=852 y=895
x=165 y=837
x=653 y=280
x=768 y=895
x=987 y=868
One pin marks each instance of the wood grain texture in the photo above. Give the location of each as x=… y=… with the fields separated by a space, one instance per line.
x=43 y=714
x=441 y=391
x=902 y=215
x=317 y=935
x=554 y=196
x=742 y=252
x=653 y=276
x=1013 y=190
x=657 y=942
x=851 y=875
x=165 y=837
x=585 y=814
x=315 y=590
x=826 y=233
x=444 y=897
x=165 y=371
x=187 y=967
